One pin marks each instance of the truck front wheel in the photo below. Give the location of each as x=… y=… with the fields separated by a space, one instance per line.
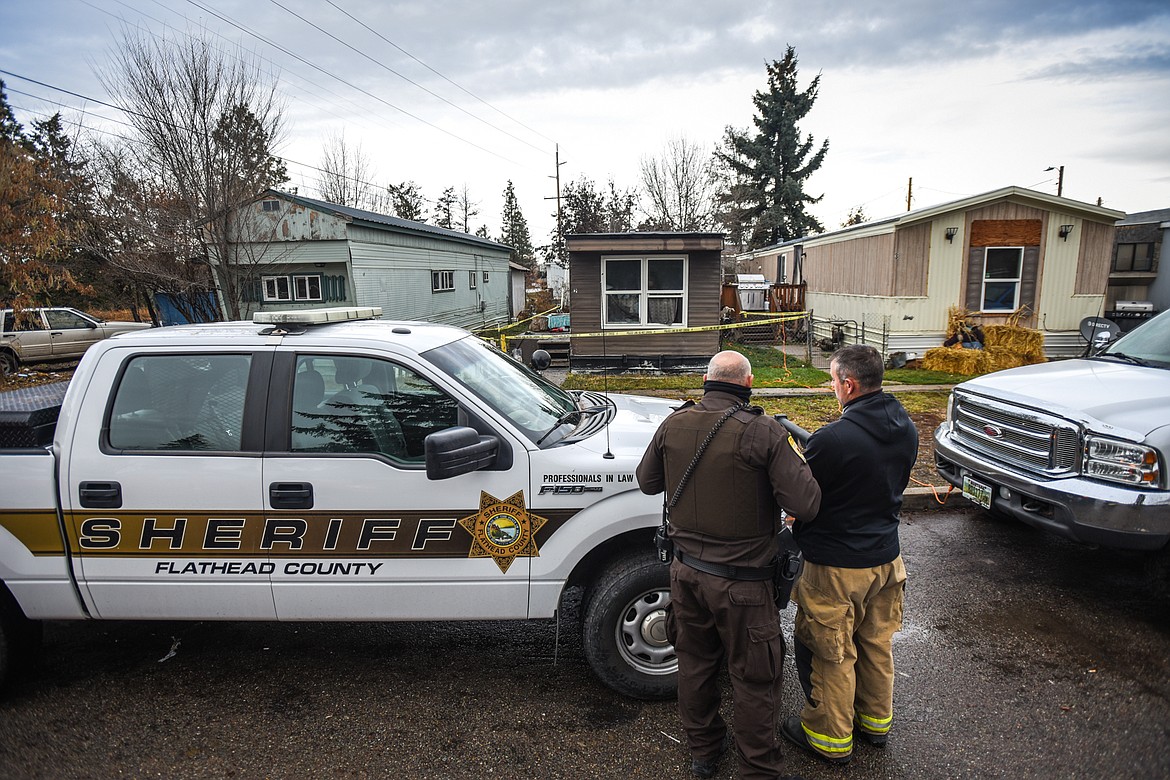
x=625 y=628
x=8 y=363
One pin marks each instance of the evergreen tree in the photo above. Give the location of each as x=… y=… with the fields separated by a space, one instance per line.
x=406 y=201
x=586 y=209
x=770 y=166
x=514 y=230
x=445 y=209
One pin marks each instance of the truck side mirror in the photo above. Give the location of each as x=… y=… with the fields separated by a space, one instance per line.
x=458 y=450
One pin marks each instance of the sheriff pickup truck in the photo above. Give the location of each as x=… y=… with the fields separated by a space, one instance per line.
x=325 y=464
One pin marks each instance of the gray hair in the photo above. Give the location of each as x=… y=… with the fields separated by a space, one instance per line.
x=861 y=363
x=729 y=366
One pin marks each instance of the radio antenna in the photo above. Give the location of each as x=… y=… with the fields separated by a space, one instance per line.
x=605 y=385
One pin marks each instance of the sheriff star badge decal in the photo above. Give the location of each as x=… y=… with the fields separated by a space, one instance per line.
x=502 y=530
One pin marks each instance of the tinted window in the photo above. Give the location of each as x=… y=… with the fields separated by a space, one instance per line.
x=180 y=403
x=351 y=404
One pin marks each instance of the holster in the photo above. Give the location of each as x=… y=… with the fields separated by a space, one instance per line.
x=788 y=565
x=663 y=542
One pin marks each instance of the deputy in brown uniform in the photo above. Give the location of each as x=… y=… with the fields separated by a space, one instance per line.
x=724 y=529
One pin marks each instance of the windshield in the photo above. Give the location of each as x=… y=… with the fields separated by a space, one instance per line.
x=529 y=400
x=1149 y=343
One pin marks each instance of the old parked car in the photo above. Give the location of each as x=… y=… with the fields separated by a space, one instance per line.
x=52 y=335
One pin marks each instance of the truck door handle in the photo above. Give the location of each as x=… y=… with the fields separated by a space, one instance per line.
x=100 y=495
x=290 y=495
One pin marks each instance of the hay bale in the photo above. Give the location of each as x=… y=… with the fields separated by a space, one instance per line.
x=955 y=360
x=1013 y=337
x=999 y=358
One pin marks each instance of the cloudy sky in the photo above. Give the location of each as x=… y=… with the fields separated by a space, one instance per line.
x=963 y=98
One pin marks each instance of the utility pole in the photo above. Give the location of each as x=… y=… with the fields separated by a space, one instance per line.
x=560 y=230
x=1059 y=179
x=909 y=192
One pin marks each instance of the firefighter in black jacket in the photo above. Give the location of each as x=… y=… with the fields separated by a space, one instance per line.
x=849 y=596
x=724 y=532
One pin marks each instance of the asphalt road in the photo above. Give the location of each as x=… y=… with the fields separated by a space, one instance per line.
x=1022 y=656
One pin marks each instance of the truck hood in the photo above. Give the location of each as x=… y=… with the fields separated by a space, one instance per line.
x=633 y=424
x=1098 y=393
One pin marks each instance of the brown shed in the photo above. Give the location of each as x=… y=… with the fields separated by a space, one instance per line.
x=651 y=288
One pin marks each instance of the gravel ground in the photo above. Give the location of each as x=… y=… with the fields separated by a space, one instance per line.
x=1022 y=656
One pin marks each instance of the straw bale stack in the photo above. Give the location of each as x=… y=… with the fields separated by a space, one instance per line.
x=1004 y=346
x=956 y=360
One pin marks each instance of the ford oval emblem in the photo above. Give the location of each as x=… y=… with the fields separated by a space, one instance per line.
x=993 y=432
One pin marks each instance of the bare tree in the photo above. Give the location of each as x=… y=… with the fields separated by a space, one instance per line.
x=345 y=174
x=679 y=186
x=206 y=122
x=466 y=208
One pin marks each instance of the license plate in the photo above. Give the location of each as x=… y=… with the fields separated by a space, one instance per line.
x=978 y=492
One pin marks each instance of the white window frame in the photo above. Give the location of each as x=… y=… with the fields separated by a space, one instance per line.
x=308 y=281
x=1017 y=279
x=471 y=277
x=269 y=206
x=485 y=277
x=442 y=281
x=276 y=288
x=644 y=295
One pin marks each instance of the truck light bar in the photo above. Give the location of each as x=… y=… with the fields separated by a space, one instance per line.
x=317 y=316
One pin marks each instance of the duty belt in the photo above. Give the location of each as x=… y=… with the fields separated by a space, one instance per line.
x=727 y=571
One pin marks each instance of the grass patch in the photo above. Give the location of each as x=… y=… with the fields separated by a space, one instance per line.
x=770 y=368
x=920 y=376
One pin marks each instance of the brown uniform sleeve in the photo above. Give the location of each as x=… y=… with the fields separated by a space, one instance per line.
x=765 y=445
x=651 y=472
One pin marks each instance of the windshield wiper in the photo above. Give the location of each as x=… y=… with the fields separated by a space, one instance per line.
x=1137 y=361
x=564 y=418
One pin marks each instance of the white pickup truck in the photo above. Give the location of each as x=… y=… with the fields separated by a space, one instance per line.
x=1075 y=447
x=328 y=465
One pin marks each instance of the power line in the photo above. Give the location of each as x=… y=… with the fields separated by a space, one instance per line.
x=437 y=73
x=349 y=84
x=272 y=63
x=149 y=118
x=407 y=79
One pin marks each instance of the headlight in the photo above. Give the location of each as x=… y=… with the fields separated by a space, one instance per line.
x=1121 y=461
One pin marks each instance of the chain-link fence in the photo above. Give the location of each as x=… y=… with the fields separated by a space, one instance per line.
x=826 y=336
x=815 y=339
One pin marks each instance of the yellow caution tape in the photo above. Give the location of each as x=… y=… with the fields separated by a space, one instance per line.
x=659 y=331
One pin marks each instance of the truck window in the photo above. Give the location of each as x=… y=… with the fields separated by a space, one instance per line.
x=180 y=403
x=351 y=404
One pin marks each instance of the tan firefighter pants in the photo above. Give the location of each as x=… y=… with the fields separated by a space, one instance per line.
x=845 y=620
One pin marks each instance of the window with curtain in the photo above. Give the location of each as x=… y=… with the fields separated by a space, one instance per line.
x=644 y=291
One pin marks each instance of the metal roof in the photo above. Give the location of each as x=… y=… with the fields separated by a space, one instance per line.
x=887 y=224
x=385 y=221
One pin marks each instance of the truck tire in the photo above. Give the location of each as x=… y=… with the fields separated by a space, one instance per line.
x=1156 y=567
x=8 y=363
x=624 y=628
x=19 y=637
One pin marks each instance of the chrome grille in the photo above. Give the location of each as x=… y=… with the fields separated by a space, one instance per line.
x=1019 y=437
